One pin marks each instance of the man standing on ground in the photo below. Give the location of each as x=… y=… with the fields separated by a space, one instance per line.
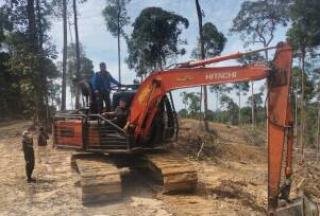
x=42 y=145
x=27 y=147
x=101 y=84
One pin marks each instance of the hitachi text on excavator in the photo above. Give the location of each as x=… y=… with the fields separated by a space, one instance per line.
x=152 y=123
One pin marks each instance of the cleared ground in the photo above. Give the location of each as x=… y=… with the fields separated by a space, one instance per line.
x=232 y=171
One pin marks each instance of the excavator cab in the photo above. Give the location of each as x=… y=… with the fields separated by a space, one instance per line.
x=87 y=130
x=126 y=95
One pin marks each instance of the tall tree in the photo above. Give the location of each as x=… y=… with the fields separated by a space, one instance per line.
x=32 y=26
x=213 y=41
x=64 y=58
x=213 y=44
x=85 y=68
x=240 y=88
x=42 y=91
x=317 y=90
x=5 y=23
x=258 y=20
x=231 y=108
x=202 y=54
x=75 y=15
x=34 y=64
x=218 y=90
x=247 y=60
x=155 y=40
x=192 y=101
x=318 y=132
x=116 y=17
x=255 y=101
x=304 y=35
x=28 y=65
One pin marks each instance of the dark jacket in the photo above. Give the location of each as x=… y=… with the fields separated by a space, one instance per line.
x=102 y=81
x=27 y=142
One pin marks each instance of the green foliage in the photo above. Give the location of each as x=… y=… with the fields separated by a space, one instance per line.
x=251 y=59
x=257 y=20
x=228 y=114
x=304 y=35
x=214 y=41
x=220 y=88
x=304 y=32
x=308 y=83
x=155 y=39
x=255 y=99
x=86 y=67
x=310 y=132
x=183 y=113
x=231 y=107
x=210 y=115
x=241 y=88
x=26 y=64
x=192 y=102
x=5 y=24
x=246 y=116
x=116 y=16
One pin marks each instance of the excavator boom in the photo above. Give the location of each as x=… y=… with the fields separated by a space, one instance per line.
x=278 y=74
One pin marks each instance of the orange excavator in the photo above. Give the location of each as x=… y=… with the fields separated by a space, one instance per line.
x=152 y=123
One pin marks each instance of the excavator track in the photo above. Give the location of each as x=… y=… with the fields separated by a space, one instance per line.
x=100 y=179
x=175 y=173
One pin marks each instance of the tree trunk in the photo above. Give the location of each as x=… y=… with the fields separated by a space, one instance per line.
x=239 y=113
x=119 y=59
x=318 y=132
x=33 y=42
x=32 y=26
x=218 y=104
x=296 y=118
x=302 y=107
x=205 y=91
x=43 y=76
x=75 y=12
x=218 y=107
x=266 y=53
x=119 y=50
x=39 y=17
x=253 y=119
x=64 y=60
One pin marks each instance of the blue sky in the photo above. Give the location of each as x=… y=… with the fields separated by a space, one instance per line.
x=101 y=46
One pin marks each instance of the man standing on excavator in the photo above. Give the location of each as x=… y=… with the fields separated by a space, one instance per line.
x=101 y=84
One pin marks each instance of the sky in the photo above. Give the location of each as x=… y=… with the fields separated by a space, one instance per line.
x=100 y=45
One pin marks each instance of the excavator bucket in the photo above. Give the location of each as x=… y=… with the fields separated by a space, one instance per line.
x=301 y=206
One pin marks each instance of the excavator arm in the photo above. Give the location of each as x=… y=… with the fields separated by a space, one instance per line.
x=192 y=74
x=280 y=132
x=152 y=90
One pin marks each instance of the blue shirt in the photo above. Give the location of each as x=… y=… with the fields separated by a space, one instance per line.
x=102 y=81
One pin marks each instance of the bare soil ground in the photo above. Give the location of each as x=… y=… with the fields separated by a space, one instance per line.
x=233 y=178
